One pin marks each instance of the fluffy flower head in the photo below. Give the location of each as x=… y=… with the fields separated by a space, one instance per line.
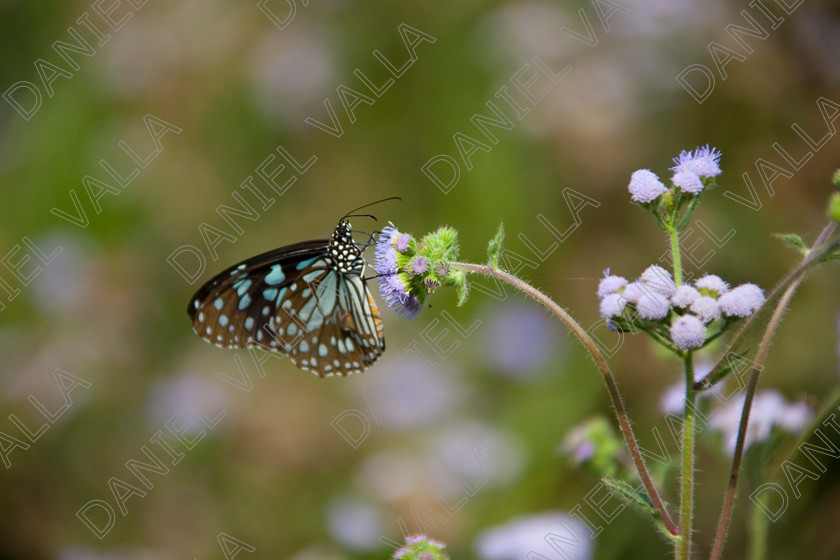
x=688 y=332
x=741 y=301
x=703 y=162
x=610 y=285
x=645 y=186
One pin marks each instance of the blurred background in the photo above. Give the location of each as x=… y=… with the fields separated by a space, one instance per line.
x=125 y=126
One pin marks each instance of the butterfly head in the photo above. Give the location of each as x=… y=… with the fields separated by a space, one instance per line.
x=344 y=250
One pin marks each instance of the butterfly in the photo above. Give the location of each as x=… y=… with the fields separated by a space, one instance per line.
x=308 y=301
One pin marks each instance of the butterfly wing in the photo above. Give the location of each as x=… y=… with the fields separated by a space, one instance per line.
x=292 y=300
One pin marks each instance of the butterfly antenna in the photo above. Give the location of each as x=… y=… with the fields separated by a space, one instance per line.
x=350 y=214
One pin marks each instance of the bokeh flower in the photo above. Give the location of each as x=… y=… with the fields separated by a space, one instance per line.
x=769 y=411
x=519 y=340
x=672 y=400
x=525 y=537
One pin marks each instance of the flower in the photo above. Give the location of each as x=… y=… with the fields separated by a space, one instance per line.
x=409 y=269
x=612 y=305
x=684 y=296
x=354 y=523
x=659 y=280
x=688 y=332
x=703 y=162
x=385 y=260
x=711 y=285
x=706 y=308
x=633 y=292
x=742 y=300
x=610 y=285
x=402 y=243
x=653 y=306
x=645 y=186
x=688 y=182
x=395 y=286
x=419 y=266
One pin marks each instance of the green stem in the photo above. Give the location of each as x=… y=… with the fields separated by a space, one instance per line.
x=675 y=254
x=758 y=534
x=687 y=478
x=606 y=374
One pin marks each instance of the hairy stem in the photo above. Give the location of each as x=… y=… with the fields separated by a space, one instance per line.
x=606 y=374
x=687 y=474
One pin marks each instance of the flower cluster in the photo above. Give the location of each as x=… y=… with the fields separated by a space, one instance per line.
x=690 y=171
x=693 y=172
x=421 y=547
x=654 y=303
x=409 y=269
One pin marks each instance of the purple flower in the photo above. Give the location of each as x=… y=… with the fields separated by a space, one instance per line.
x=419 y=266
x=706 y=308
x=688 y=332
x=703 y=162
x=711 y=285
x=402 y=243
x=394 y=286
x=645 y=186
x=742 y=300
x=610 y=285
x=688 y=182
x=612 y=305
x=385 y=259
x=684 y=296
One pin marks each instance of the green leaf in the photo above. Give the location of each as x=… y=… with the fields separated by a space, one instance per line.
x=833 y=256
x=633 y=496
x=495 y=247
x=794 y=241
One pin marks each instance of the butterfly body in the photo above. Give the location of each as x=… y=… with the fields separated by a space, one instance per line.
x=307 y=301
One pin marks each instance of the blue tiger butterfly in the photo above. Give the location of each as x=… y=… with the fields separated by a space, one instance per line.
x=308 y=301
